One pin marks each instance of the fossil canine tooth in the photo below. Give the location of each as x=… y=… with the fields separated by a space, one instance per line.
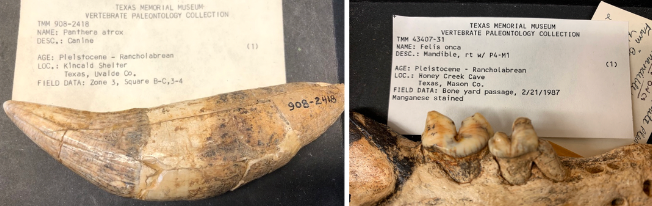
x=186 y=150
x=515 y=155
x=459 y=153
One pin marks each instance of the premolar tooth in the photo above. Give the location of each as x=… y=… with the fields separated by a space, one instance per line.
x=440 y=133
x=515 y=155
x=458 y=153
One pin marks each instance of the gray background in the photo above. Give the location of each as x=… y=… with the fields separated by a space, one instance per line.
x=315 y=176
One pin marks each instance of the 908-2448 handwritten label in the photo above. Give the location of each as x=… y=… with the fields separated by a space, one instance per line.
x=303 y=103
x=569 y=76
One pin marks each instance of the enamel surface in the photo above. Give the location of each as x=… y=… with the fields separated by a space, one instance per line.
x=440 y=132
x=524 y=140
x=188 y=150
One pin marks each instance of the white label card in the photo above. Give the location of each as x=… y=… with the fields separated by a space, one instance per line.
x=640 y=60
x=115 y=55
x=570 y=77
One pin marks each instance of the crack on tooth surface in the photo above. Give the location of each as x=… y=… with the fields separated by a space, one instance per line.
x=249 y=165
x=61 y=146
x=150 y=163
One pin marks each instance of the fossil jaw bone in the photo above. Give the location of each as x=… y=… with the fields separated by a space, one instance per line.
x=458 y=153
x=515 y=155
x=620 y=177
x=187 y=150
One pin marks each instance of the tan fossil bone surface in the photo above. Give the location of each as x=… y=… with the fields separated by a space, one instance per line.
x=622 y=176
x=187 y=150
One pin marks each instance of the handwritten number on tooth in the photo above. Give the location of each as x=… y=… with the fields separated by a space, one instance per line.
x=306 y=104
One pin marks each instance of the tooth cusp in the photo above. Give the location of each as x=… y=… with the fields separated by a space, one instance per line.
x=499 y=145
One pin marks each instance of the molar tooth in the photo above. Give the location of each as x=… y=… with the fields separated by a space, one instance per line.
x=515 y=155
x=458 y=153
x=524 y=140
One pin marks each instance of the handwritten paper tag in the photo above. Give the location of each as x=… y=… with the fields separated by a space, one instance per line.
x=565 y=75
x=640 y=58
x=114 y=55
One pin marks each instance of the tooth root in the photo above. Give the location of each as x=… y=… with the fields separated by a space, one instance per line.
x=549 y=163
x=459 y=154
x=462 y=169
x=517 y=170
x=515 y=155
x=186 y=150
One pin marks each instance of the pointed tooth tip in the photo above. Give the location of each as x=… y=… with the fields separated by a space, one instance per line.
x=521 y=120
x=11 y=107
x=434 y=116
x=7 y=106
x=434 y=113
x=499 y=140
x=500 y=135
x=499 y=145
